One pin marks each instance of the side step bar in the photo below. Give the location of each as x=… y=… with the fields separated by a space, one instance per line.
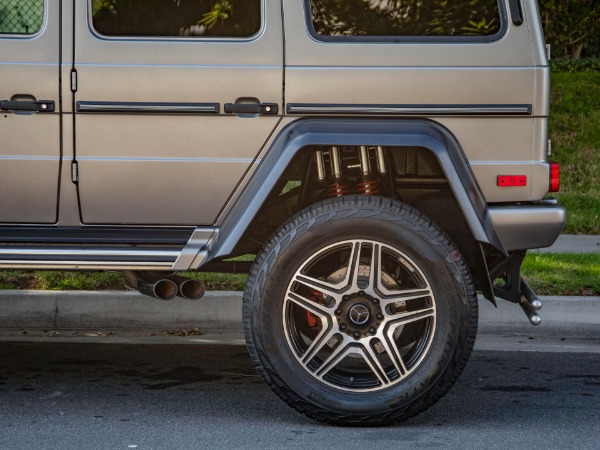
x=103 y=258
x=106 y=251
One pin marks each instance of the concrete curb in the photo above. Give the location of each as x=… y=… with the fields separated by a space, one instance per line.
x=100 y=310
x=561 y=317
x=117 y=310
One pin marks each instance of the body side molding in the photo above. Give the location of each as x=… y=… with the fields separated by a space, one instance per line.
x=408 y=110
x=147 y=107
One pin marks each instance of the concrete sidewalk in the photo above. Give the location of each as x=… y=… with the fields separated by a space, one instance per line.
x=221 y=311
x=573 y=243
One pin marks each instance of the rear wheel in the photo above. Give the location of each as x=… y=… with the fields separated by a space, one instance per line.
x=359 y=310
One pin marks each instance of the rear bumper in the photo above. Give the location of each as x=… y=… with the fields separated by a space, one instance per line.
x=522 y=227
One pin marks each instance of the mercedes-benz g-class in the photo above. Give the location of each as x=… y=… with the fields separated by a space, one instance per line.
x=385 y=160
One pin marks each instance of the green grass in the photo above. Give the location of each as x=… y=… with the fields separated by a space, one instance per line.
x=64 y=281
x=85 y=281
x=563 y=273
x=548 y=274
x=575 y=133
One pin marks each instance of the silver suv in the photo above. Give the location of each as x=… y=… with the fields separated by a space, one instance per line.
x=384 y=160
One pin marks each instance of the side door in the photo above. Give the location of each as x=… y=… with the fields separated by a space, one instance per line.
x=173 y=101
x=30 y=119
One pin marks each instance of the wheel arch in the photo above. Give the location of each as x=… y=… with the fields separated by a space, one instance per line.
x=304 y=133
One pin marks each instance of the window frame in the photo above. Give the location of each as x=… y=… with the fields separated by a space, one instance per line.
x=408 y=39
x=24 y=36
x=254 y=37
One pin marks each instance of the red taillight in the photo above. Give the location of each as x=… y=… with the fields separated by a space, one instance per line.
x=554 y=177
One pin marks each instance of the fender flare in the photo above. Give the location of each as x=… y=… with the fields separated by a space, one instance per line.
x=348 y=131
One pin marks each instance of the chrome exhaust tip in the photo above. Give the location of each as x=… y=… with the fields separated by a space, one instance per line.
x=161 y=288
x=188 y=288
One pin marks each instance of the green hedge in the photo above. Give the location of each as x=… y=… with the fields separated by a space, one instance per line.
x=572 y=27
x=575 y=65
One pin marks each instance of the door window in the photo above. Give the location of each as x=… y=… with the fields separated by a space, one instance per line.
x=21 y=16
x=409 y=18
x=177 y=18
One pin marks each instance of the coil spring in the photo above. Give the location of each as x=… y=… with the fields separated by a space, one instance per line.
x=337 y=189
x=368 y=187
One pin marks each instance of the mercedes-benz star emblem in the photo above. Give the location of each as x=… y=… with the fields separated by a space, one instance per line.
x=359 y=314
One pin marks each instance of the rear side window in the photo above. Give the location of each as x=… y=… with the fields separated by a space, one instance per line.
x=21 y=16
x=408 y=18
x=177 y=18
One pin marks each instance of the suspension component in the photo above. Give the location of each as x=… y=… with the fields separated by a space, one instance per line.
x=336 y=166
x=337 y=189
x=365 y=167
x=366 y=183
x=369 y=187
x=320 y=165
x=381 y=161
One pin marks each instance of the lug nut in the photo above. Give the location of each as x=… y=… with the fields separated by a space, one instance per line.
x=346 y=298
x=343 y=326
x=338 y=312
x=375 y=301
x=372 y=330
x=361 y=293
x=356 y=335
x=379 y=316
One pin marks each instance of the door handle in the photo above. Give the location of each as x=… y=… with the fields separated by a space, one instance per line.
x=27 y=105
x=251 y=108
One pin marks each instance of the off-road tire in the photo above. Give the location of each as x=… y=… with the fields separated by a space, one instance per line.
x=367 y=218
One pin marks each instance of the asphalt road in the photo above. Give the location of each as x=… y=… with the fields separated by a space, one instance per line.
x=120 y=396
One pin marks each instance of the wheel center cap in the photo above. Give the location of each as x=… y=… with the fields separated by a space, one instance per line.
x=359 y=314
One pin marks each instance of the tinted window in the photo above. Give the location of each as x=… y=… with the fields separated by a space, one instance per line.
x=209 y=18
x=21 y=16
x=405 y=17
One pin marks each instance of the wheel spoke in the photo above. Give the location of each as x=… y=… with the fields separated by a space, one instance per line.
x=392 y=350
x=326 y=322
x=406 y=295
x=317 y=345
x=373 y=361
x=339 y=353
x=354 y=265
x=374 y=270
x=318 y=285
x=310 y=305
x=411 y=316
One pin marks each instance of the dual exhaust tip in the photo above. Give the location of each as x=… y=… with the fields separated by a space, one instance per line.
x=169 y=287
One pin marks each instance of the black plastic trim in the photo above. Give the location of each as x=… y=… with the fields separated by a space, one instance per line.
x=373 y=132
x=147 y=107
x=406 y=39
x=516 y=12
x=408 y=110
x=96 y=235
